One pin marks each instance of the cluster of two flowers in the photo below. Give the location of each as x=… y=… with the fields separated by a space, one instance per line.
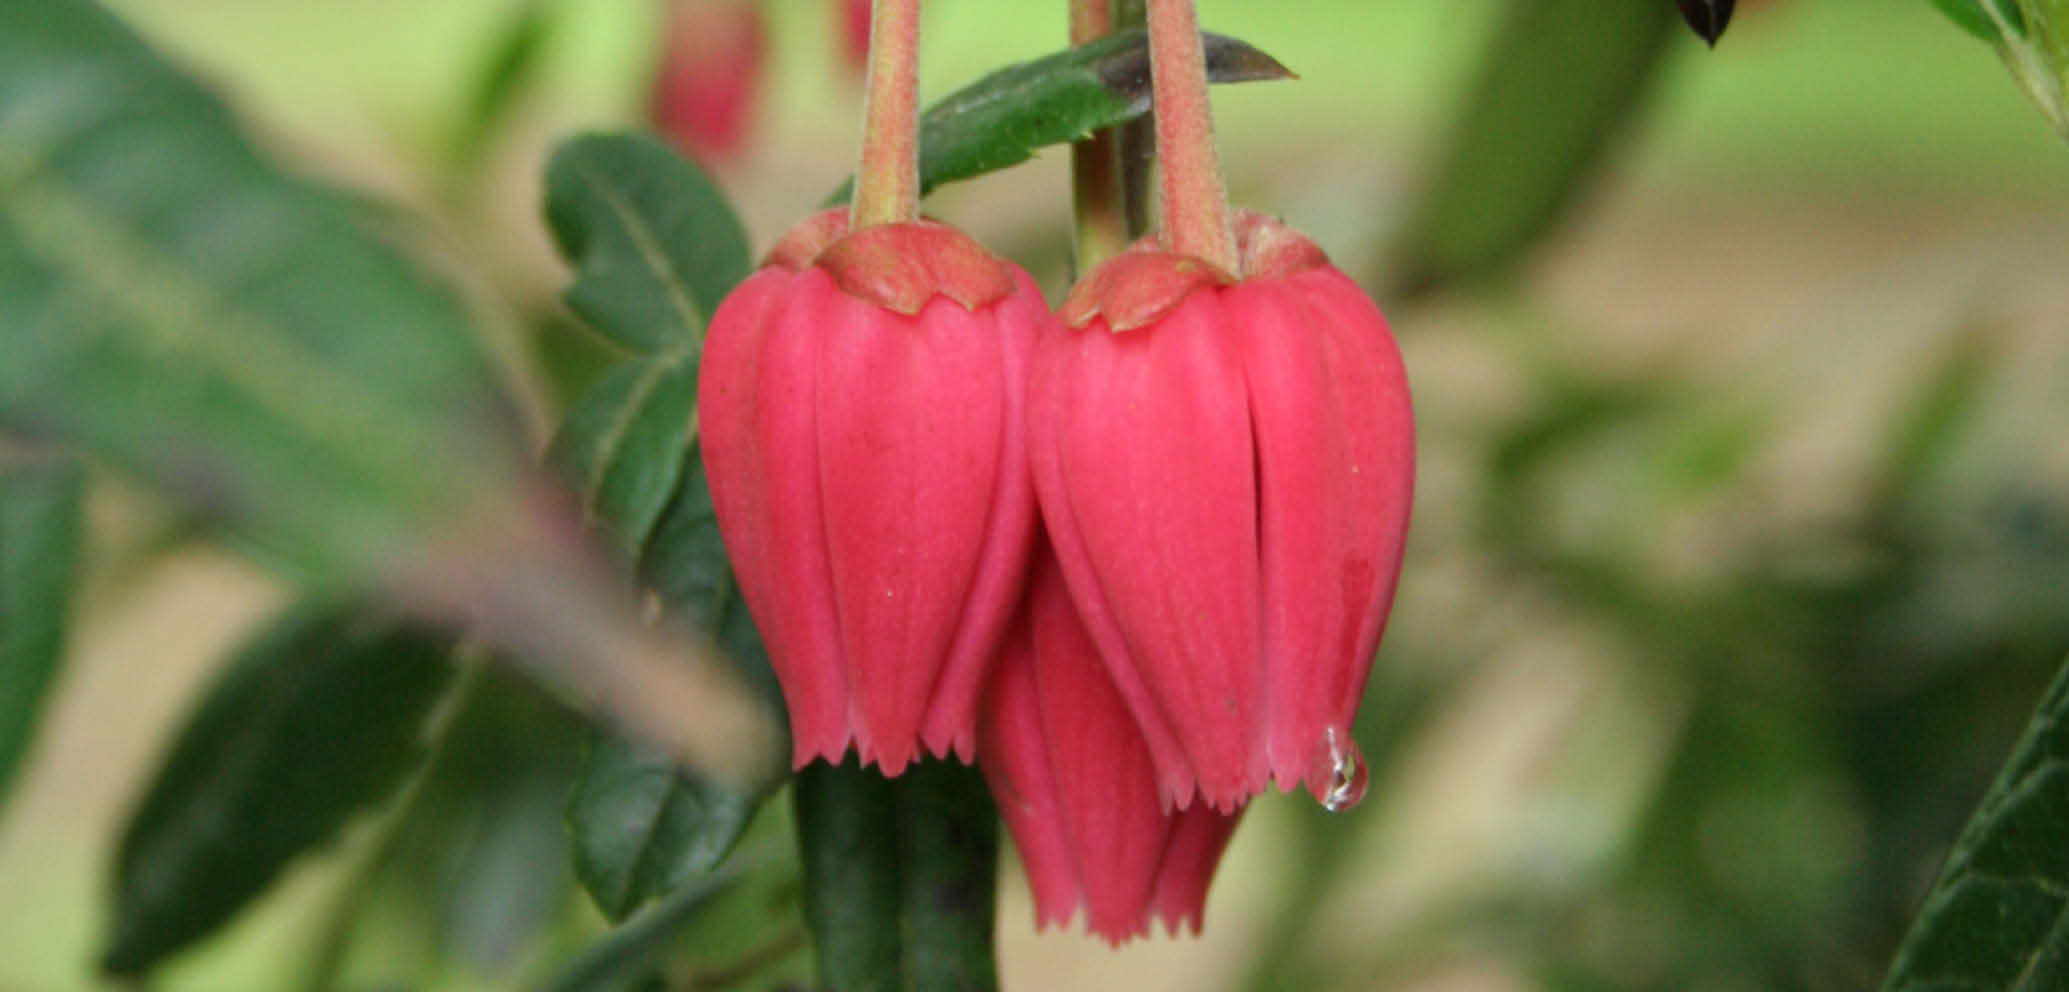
x=1133 y=556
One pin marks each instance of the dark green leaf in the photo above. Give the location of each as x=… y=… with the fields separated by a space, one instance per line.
x=1558 y=82
x=1998 y=918
x=656 y=248
x=624 y=443
x=654 y=244
x=315 y=719
x=629 y=950
x=183 y=309
x=1004 y=118
x=642 y=829
x=899 y=876
x=39 y=550
x=1976 y=20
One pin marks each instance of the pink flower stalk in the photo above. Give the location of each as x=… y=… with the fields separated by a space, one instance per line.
x=1077 y=788
x=1225 y=468
x=705 y=88
x=862 y=406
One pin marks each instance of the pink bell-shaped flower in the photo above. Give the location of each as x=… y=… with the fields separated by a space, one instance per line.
x=862 y=407
x=1225 y=468
x=706 y=86
x=1076 y=786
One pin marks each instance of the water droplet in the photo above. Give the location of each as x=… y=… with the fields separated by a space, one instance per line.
x=1348 y=777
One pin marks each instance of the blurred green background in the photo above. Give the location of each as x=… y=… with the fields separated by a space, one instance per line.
x=1742 y=537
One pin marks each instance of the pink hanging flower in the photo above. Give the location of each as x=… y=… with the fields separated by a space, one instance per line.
x=862 y=406
x=706 y=86
x=1225 y=468
x=1076 y=786
x=853 y=18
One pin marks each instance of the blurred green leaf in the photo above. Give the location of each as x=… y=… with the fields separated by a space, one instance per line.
x=1976 y=20
x=1002 y=119
x=899 y=876
x=510 y=69
x=39 y=550
x=654 y=244
x=180 y=307
x=656 y=247
x=1557 y=83
x=624 y=956
x=1998 y=918
x=315 y=719
x=642 y=829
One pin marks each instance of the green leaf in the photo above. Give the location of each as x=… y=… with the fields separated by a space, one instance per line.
x=654 y=244
x=315 y=719
x=508 y=72
x=1976 y=20
x=181 y=308
x=39 y=550
x=1997 y=920
x=1559 y=80
x=622 y=957
x=624 y=443
x=1002 y=119
x=899 y=876
x=643 y=830
x=656 y=248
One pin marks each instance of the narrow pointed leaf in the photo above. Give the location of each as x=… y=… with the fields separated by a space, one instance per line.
x=508 y=73
x=1997 y=920
x=1002 y=119
x=1559 y=81
x=1976 y=20
x=654 y=244
x=317 y=718
x=655 y=248
x=39 y=550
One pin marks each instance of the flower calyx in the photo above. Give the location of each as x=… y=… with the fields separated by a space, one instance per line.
x=1140 y=285
x=896 y=266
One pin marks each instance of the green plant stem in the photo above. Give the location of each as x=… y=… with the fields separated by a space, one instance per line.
x=887 y=185
x=1102 y=222
x=341 y=916
x=1137 y=141
x=1196 y=213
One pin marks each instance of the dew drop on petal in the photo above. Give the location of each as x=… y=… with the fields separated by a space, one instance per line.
x=1346 y=771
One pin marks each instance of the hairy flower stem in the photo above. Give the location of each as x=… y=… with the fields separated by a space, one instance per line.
x=1196 y=212
x=1095 y=162
x=887 y=184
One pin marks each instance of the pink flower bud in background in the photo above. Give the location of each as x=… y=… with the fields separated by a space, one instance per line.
x=862 y=407
x=1225 y=468
x=1077 y=788
x=853 y=26
x=709 y=77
